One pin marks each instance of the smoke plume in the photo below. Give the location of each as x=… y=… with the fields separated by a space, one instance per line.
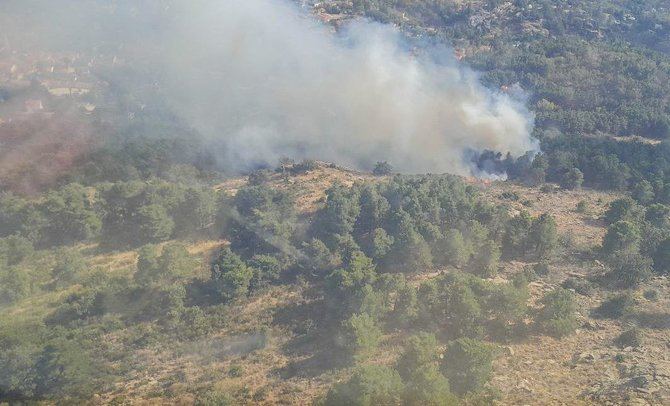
x=263 y=79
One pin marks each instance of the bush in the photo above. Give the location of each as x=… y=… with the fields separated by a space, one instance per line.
x=215 y=398
x=615 y=306
x=259 y=177
x=69 y=263
x=468 y=364
x=230 y=275
x=420 y=351
x=147 y=266
x=484 y=262
x=304 y=166
x=267 y=270
x=360 y=336
x=541 y=268
x=582 y=207
x=624 y=209
x=579 y=285
x=15 y=284
x=382 y=168
x=629 y=338
x=651 y=295
x=557 y=315
x=428 y=387
x=621 y=236
x=153 y=224
x=661 y=258
x=543 y=236
x=15 y=249
x=370 y=385
x=629 y=269
x=572 y=179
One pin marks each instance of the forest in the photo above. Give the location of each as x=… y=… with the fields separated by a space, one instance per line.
x=143 y=268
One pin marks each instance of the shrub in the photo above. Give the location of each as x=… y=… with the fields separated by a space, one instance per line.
x=360 y=336
x=544 y=236
x=215 y=398
x=305 y=165
x=430 y=388
x=259 y=177
x=484 y=262
x=557 y=315
x=615 y=306
x=370 y=385
x=468 y=364
x=582 y=207
x=572 y=179
x=382 y=168
x=579 y=285
x=267 y=270
x=15 y=249
x=541 y=268
x=230 y=275
x=629 y=269
x=153 y=223
x=420 y=351
x=621 y=236
x=651 y=295
x=661 y=258
x=69 y=263
x=15 y=284
x=629 y=338
x=147 y=265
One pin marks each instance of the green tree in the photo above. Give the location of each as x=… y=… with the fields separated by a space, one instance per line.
x=382 y=168
x=14 y=249
x=405 y=306
x=420 y=351
x=453 y=249
x=196 y=213
x=544 y=235
x=624 y=209
x=70 y=216
x=661 y=258
x=360 y=336
x=267 y=270
x=484 y=261
x=64 y=370
x=153 y=223
x=410 y=252
x=468 y=364
x=557 y=317
x=629 y=269
x=15 y=284
x=370 y=385
x=230 y=275
x=621 y=236
x=572 y=179
x=317 y=259
x=148 y=270
x=515 y=239
x=428 y=387
x=69 y=264
x=643 y=192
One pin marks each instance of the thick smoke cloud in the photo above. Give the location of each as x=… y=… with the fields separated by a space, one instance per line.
x=262 y=79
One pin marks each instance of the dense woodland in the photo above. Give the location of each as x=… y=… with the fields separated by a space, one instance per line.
x=590 y=70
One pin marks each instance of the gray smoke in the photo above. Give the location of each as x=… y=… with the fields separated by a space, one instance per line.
x=262 y=79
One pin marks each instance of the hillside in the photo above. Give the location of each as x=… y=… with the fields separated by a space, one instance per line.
x=365 y=202
x=262 y=348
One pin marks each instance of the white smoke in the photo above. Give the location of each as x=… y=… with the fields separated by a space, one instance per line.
x=263 y=79
x=270 y=82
